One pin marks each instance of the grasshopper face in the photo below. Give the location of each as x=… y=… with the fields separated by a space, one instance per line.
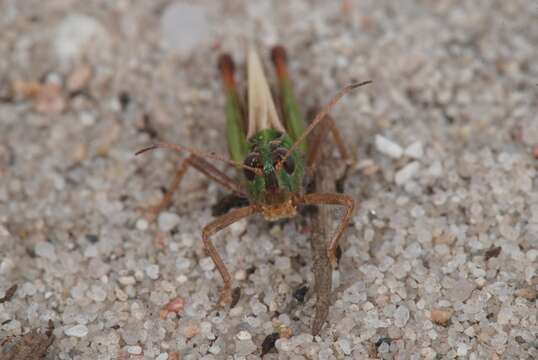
x=272 y=187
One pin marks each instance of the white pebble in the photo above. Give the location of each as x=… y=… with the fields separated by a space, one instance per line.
x=86 y=118
x=462 y=349
x=29 y=289
x=167 y=221
x=414 y=150
x=401 y=316
x=4 y=232
x=142 y=224
x=214 y=349
x=207 y=264
x=245 y=347
x=532 y=255
x=184 y=27
x=244 y=335
x=283 y=263
x=345 y=346
x=127 y=280
x=238 y=227
x=139 y=275
x=236 y=311
x=97 y=293
x=46 y=250
x=135 y=350
x=77 y=33
x=388 y=147
x=121 y=295
x=406 y=173
x=91 y=252
x=6 y=265
x=240 y=275
x=152 y=271
x=162 y=356
x=77 y=331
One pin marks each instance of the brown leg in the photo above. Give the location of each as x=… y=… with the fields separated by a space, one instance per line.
x=214 y=227
x=205 y=168
x=331 y=199
x=315 y=144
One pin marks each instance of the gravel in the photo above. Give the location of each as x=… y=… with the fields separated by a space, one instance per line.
x=440 y=259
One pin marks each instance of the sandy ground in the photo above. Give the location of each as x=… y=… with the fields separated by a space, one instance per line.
x=439 y=263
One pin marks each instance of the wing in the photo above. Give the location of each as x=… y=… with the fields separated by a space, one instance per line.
x=262 y=112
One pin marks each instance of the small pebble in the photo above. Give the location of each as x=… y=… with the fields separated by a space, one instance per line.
x=528 y=293
x=401 y=316
x=236 y=311
x=97 y=293
x=127 y=280
x=244 y=335
x=184 y=27
x=406 y=173
x=167 y=221
x=79 y=78
x=121 y=295
x=462 y=349
x=78 y=33
x=77 y=331
x=191 y=330
x=240 y=275
x=414 y=150
x=152 y=271
x=245 y=347
x=134 y=350
x=441 y=316
x=176 y=306
x=214 y=349
x=46 y=250
x=142 y=224
x=49 y=99
x=345 y=346
x=29 y=289
x=388 y=147
x=207 y=264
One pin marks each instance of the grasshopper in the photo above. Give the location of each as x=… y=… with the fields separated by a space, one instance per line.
x=272 y=154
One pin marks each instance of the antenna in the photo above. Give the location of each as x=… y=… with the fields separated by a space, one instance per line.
x=320 y=117
x=203 y=154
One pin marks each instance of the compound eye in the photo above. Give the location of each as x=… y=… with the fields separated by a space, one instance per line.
x=289 y=164
x=252 y=160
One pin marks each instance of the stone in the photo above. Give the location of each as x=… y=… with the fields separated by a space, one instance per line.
x=77 y=331
x=388 y=147
x=441 y=316
x=78 y=34
x=406 y=173
x=414 y=150
x=184 y=27
x=46 y=250
x=401 y=316
x=167 y=221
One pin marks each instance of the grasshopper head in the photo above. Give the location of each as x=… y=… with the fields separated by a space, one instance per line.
x=276 y=181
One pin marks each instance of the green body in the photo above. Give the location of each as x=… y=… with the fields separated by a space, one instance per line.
x=235 y=127
x=264 y=143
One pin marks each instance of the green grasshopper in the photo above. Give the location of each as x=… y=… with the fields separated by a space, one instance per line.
x=272 y=154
